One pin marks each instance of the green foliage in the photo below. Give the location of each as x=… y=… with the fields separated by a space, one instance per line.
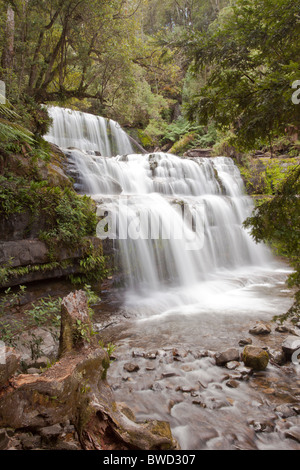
x=109 y=349
x=11 y=299
x=9 y=330
x=185 y=135
x=249 y=57
x=71 y=217
x=277 y=222
x=83 y=332
x=263 y=176
x=45 y=312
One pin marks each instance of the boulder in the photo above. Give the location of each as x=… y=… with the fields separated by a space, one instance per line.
x=260 y=329
x=255 y=357
x=47 y=346
x=231 y=354
x=291 y=344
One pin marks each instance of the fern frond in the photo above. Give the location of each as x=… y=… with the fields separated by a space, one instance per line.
x=12 y=131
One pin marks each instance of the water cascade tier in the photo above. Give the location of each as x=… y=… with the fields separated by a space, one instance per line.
x=177 y=220
x=87 y=132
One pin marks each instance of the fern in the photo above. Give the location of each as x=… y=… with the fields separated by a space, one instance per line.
x=10 y=130
x=7 y=112
x=14 y=132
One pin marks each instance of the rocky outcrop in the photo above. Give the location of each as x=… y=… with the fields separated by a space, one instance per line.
x=74 y=392
x=33 y=255
x=194 y=153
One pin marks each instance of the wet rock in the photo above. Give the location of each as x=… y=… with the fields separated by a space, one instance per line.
x=167 y=375
x=217 y=403
x=203 y=153
x=231 y=354
x=244 y=371
x=256 y=358
x=278 y=357
x=296 y=408
x=151 y=355
x=291 y=344
x=199 y=403
x=262 y=426
x=33 y=371
x=260 y=329
x=9 y=364
x=178 y=354
x=245 y=341
x=285 y=411
x=232 y=383
x=282 y=329
x=130 y=367
x=185 y=389
x=138 y=354
x=156 y=387
x=231 y=365
x=293 y=433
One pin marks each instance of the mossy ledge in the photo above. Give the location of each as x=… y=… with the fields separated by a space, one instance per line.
x=47 y=230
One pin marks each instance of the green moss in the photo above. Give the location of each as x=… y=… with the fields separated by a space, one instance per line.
x=182 y=144
x=264 y=175
x=255 y=358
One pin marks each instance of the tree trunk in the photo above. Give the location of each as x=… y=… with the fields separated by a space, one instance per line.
x=8 y=52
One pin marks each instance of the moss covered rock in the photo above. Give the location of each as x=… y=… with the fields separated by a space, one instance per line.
x=255 y=357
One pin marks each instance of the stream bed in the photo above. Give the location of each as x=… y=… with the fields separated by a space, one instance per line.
x=164 y=366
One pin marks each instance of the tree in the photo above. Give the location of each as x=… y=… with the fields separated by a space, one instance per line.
x=278 y=222
x=248 y=59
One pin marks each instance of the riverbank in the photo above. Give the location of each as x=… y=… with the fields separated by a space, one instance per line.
x=196 y=381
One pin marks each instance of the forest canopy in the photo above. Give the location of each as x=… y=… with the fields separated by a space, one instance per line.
x=145 y=63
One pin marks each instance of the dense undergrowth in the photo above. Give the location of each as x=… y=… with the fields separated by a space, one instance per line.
x=67 y=219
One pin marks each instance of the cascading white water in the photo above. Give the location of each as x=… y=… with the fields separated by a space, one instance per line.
x=87 y=132
x=178 y=220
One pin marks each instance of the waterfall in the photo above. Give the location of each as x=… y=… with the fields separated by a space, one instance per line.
x=177 y=220
x=87 y=132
